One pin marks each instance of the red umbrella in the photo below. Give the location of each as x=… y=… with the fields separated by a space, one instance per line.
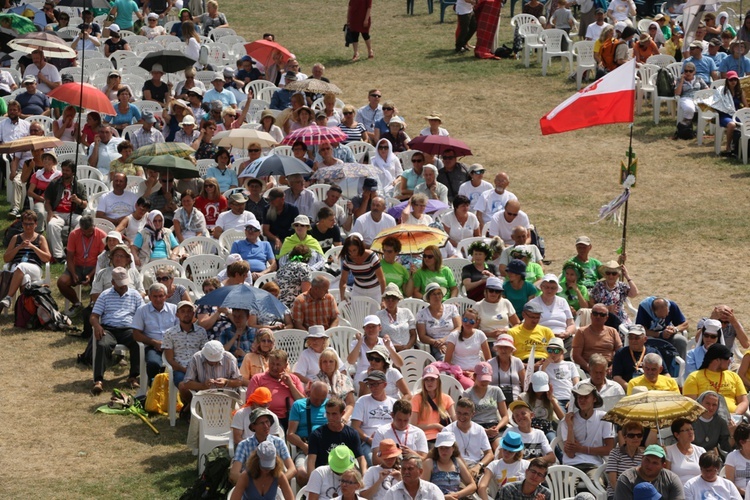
x=261 y=50
x=85 y=96
x=436 y=144
x=313 y=135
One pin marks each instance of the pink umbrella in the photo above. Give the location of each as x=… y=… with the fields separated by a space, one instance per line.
x=314 y=135
x=436 y=144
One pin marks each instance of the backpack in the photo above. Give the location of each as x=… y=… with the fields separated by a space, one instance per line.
x=13 y=229
x=157 y=399
x=47 y=313
x=25 y=312
x=685 y=131
x=607 y=53
x=214 y=482
x=664 y=83
x=505 y=52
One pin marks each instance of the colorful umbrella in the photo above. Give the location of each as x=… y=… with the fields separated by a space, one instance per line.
x=171 y=61
x=178 y=167
x=242 y=137
x=315 y=86
x=262 y=50
x=245 y=297
x=413 y=238
x=436 y=144
x=51 y=44
x=21 y=24
x=83 y=95
x=275 y=165
x=432 y=207
x=654 y=409
x=178 y=149
x=30 y=143
x=314 y=135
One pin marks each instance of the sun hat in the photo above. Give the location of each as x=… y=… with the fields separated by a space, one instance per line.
x=322 y=114
x=430 y=371
x=431 y=287
x=583 y=240
x=217 y=76
x=388 y=449
x=121 y=278
x=260 y=412
x=260 y=396
x=483 y=372
x=655 y=450
x=512 y=442
x=476 y=168
x=197 y=91
x=434 y=116
x=380 y=350
x=341 y=459
x=114 y=72
x=228 y=72
x=516 y=266
x=113 y=234
x=711 y=326
x=297 y=111
x=371 y=319
x=232 y=258
x=290 y=76
x=558 y=343
x=445 y=438
x=696 y=45
x=397 y=121
x=301 y=220
x=586 y=388
x=610 y=264
x=716 y=351
x=493 y=283
x=375 y=376
x=647 y=491
x=267 y=113
x=552 y=278
x=316 y=332
x=644 y=39
x=213 y=351
x=505 y=340
x=267 y=454
x=519 y=403
x=237 y=198
x=124 y=248
x=392 y=290
x=51 y=153
x=187 y=120
x=636 y=330
x=540 y=382
x=153 y=15
x=185 y=303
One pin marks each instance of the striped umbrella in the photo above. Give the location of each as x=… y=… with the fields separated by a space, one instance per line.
x=50 y=44
x=30 y=143
x=178 y=149
x=314 y=135
x=413 y=238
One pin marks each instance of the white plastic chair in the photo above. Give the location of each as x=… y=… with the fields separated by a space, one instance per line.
x=129 y=130
x=521 y=19
x=122 y=57
x=201 y=245
x=258 y=85
x=552 y=41
x=93 y=203
x=356 y=308
x=152 y=106
x=45 y=121
x=93 y=186
x=201 y=267
x=149 y=268
x=282 y=151
x=341 y=337
x=68 y=147
x=456 y=266
x=292 y=341
x=218 y=33
x=194 y=290
x=414 y=362
x=360 y=149
x=172 y=401
x=676 y=70
x=463 y=246
x=319 y=105
x=264 y=279
x=661 y=60
x=743 y=117
x=164 y=40
x=414 y=305
x=461 y=303
x=265 y=94
x=84 y=172
x=204 y=165
x=530 y=34
x=708 y=118
x=104 y=224
x=645 y=84
x=584 y=54
x=212 y=411
x=320 y=191
x=256 y=108
x=228 y=237
x=562 y=480
x=451 y=386
x=230 y=192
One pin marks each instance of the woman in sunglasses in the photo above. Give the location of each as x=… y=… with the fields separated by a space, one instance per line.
x=433 y=271
x=612 y=292
x=468 y=346
x=626 y=456
x=709 y=333
x=175 y=293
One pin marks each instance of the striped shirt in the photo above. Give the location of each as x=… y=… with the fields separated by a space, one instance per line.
x=352 y=133
x=117 y=310
x=619 y=461
x=364 y=274
x=199 y=369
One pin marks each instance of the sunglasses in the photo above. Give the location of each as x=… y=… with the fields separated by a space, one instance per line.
x=710 y=336
x=479 y=172
x=469 y=321
x=688 y=71
x=492 y=290
x=253 y=150
x=600 y=314
x=612 y=273
x=633 y=435
x=382 y=147
x=387 y=109
x=348 y=112
x=449 y=157
x=351 y=483
x=554 y=350
x=428 y=256
x=376 y=359
x=415 y=160
x=163 y=278
x=376 y=95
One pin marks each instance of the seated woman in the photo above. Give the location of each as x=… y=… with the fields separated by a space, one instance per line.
x=461 y=223
x=381 y=126
x=256 y=361
x=325 y=150
x=154 y=241
x=516 y=289
x=433 y=271
x=644 y=48
x=411 y=177
x=188 y=221
x=394 y=271
x=123 y=164
x=612 y=292
x=113 y=239
x=295 y=277
x=467 y=347
x=203 y=145
x=432 y=409
x=299 y=150
x=575 y=294
x=91 y=129
x=709 y=333
x=623 y=457
x=354 y=130
x=733 y=98
x=268 y=124
x=446 y=469
x=301 y=117
x=414 y=212
x=397 y=322
x=214 y=319
x=508 y=466
x=379 y=359
x=387 y=162
x=508 y=371
x=338 y=380
x=38 y=184
x=685 y=88
x=491 y=409
x=308 y=364
x=222 y=171
x=474 y=276
x=545 y=408
x=25 y=256
x=379 y=478
x=396 y=135
x=534 y=271
x=127 y=113
x=65 y=128
x=175 y=293
x=556 y=313
x=211 y=202
x=496 y=313
x=682 y=457
x=301 y=226
x=436 y=321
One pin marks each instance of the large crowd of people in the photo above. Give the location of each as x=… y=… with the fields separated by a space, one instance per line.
x=479 y=366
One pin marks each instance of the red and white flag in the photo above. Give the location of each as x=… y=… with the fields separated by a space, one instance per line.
x=608 y=100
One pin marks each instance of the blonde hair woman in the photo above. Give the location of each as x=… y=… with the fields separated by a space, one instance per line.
x=256 y=361
x=340 y=383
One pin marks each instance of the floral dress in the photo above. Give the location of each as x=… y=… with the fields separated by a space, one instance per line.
x=601 y=294
x=290 y=278
x=222 y=324
x=340 y=386
x=206 y=151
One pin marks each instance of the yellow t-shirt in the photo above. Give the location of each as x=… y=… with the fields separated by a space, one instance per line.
x=729 y=385
x=524 y=339
x=662 y=383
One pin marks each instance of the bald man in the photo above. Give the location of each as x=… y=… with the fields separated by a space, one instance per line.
x=503 y=222
x=314 y=408
x=494 y=200
x=521 y=237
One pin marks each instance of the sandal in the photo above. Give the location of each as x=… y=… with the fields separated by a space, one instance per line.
x=355 y=58
x=371 y=55
x=134 y=383
x=97 y=389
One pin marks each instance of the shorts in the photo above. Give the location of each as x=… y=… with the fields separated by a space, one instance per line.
x=81 y=272
x=300 y=461
x=32 y=274
x=353 y=36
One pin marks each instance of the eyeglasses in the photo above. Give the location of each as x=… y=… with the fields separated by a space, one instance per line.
x=492 y=290
x=428 y=256
x=376 y=95
x=374 y=384
x=387 y=108
x=163 y=278
x=253 y=150
x=599 y=314
x=554 y=350
x=417 y=160
x=352 y=483
x=469 y=321
x=376 y=359
x=687 y=430
x=535 y=472
x=612 y=273
x=449 y=157
x=348 y=112
x=633 y=435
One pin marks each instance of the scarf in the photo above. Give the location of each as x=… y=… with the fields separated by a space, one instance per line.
x=41 y=178
x=155 y=235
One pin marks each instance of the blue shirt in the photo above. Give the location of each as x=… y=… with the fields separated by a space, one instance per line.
x=703 y=67
x=718 y=58
x=249 y=445
x=133 y=115
x=245 y=343
x=160 y=248
x=117 y=310
x=226 y=178
x=741 y=65
x=340 y=152
x=298 y=413
x=256 y=254
x=281 y=99
x=154 y=323
x=694 y=359
x=412 y=179
x=125 y=11
x=226 y=97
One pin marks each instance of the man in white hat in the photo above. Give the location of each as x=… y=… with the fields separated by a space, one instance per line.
x=219 y=93
x=210 y=368
x=147 y=134
x=182 y=341
x=188 y=132
x=235 y=218
x=590 y=265
x=476 y=186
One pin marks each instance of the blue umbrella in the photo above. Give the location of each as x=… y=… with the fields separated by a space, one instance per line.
x=243 y=296
x=275 y=165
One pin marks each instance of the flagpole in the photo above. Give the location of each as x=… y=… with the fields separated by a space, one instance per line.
x=623 y=244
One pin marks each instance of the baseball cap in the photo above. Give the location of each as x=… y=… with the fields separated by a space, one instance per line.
x=483 y=372
x=28 y=79
x=583 y=240
x=540 y=382
x=655 y=450
x=375 y=376
x=185 y=303
x=158 y=68
x=267 y=454
x=371 y=319
x=558 y=343
x=445 y=438
x=493 y=283
x=121 y=278
x=430 y=371
x=532 y=307
x=519 y=403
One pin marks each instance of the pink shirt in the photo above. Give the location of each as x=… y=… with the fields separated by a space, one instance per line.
x=281 y=395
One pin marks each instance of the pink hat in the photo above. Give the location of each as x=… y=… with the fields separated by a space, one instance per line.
x=483 y=372
x=732 y=75
x=505 y=340
x=430 y=371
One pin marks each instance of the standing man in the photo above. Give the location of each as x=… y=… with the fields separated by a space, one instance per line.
x=45 y=73
x=453 y=174
x=117 y=204
x=652 y=470
x=84 y=246
x=371 y=112
x=494 y=200
x=11 y=129
x=374 y=221
x=150 y=322
x=63 y=207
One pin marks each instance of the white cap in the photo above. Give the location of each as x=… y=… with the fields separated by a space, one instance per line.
x=445 y=438
x=213 y=351
x=371 y=320
x=540 y=382
x=551 y=277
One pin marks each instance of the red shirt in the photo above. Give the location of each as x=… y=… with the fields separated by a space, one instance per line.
x=86 y=250
x=281 y=395
x=64 y=206
x=211 y=209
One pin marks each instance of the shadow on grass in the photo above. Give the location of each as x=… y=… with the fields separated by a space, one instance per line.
x=76 y=387
x=176 y=470
x=137 y=430
x=67 y=339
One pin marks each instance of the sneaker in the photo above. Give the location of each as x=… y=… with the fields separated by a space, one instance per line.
x=74 y=310
x=15 y=212
x=5 y=303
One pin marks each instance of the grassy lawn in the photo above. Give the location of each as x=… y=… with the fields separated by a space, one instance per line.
x=687 y=235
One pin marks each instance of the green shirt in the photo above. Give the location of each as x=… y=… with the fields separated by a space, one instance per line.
x=590 y=271
x=534 y=272
x=292 y=241
x=444 y=277
x=572 y=297
x=395 y=273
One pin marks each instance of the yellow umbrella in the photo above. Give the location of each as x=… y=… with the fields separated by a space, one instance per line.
x=413 y=238
x=654 y=409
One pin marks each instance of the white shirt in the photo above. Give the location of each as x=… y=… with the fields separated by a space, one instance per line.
x=472 y=444
x=555 y=316
x=561 y=379
x=6 y=81
x=508 y=473
x=457 y=231
x=373 y=413
x=491 y=202
x=134 y=226
x=462 y=8
x=10 y=131
x=48 y=71
x=535 y=444
x=741 y=466
x=371 y=477
x=228 y=220
x=107 y=154
x=501 y=227
x=700 y=489
x=594 y=30
x=619 y=10
x=397 y=329
x=611 y=388
x=685 y=466
x=241 y=421
x=369 y=229
x=325 y=483
x=536 y=255
x=427 y=491
x=467 y=352
x=308 y=364
x=114 y=206
x=494 y=316
x=588 y=432
x=473 y=193
x=413 y=437
x=392 y=377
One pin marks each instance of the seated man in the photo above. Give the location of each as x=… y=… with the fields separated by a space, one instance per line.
x=282 y=98
x=652 y=378
x=598 y=367
x=335 y=432
x=431 y=187
x=117 y=204
x=471 y=438
x=315 y=306
x=652 y=471
x=521 y=238
x=85 y=243
x=343 y=217
x=412 y=439
x=300 y=429
x=503 y=222
x=254 y=251
x=714 y=374
x=373 y=222
x=371 y=411
x=299 y=196
x=475 y=187
x=236 y=218
x=731 y=328
x=147 y=134
x=530 y=333
x=260 y=424
x=412 y=485
x=453 y=174
x=535 y=443
x=628 y=361
x=210 y=368
x=709 y=333
x=285 y=386
x=33 y=102
x=112 y=319
x=149 y=324
x=277 y=221
x=181 y=342
x=588 y=438
x=709 y=484
x=597 y=338
x=663 y=319
x=63 y=209
x=531 y=486
x=589 y=264
x=494 y=201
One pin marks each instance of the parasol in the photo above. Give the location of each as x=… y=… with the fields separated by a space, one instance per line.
x=314 y=135
x=83 y=95
x=275 y=165
x=350 y=177
x=171 y=61
x=261 y=50
x=50 y=44
x=179 y=149
x=178 y=167
x=247 y=297
x=413 y=238
x=30 y=143
x=313 y=85
x=21 y=24
x=436 y=144
x=242 y=137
